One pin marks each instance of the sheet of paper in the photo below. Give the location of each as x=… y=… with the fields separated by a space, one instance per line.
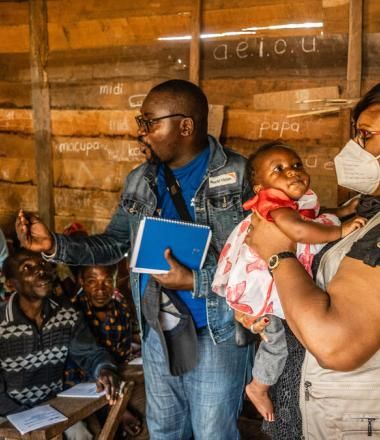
x=84 y=390
x=35 y=418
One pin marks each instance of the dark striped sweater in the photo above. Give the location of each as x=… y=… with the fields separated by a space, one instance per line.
x=32 y=360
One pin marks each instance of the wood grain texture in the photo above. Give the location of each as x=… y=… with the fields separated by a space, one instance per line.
x=104 y=57
x=88 y=122
x=75 y=410
x=354 y=56
x=39 y=50
x=195 y=45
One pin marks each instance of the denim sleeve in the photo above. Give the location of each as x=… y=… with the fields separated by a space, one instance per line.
x=3 y=248
x=247 y=192
x=106 y=248
x=86 y=353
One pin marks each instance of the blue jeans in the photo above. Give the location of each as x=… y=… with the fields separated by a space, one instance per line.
x=204 y=403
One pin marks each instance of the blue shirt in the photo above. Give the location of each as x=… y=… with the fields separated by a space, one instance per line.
x=189 y=177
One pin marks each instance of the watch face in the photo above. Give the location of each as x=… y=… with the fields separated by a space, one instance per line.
x=273 y=262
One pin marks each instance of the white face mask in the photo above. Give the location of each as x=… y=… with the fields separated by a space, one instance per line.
x=357 y=169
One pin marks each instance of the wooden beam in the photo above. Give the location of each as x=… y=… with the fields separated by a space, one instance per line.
x=354 y=57
x=346 y=131
x=195 y=42
x=41 y=108
x=115 y=413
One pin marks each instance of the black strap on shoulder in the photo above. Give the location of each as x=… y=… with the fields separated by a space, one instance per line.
x=176 y=194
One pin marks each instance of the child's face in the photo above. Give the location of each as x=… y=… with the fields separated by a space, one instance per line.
x=281 y=169
x=98 y=285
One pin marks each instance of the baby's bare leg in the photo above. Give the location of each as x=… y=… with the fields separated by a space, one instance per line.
x=258 y=394
x=268 y=365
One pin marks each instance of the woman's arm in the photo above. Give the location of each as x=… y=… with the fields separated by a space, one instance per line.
x=340 y=327
x=348 y=208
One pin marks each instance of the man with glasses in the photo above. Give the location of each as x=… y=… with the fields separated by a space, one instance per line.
x=201 y=401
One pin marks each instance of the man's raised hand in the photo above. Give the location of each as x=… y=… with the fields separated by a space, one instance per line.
x=33 y=234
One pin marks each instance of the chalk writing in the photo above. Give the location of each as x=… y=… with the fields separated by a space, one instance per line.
x=279 y=47
x=312 y=47
x=120 y=151
x=313 y=161
x=125 y=152
x=79 y=146
x=117 y=89
x=279 y=126
x=110 y=89
x=83 y=169
x=120 y=125
x=262 y=48
x=136 y=100
x=10 y=115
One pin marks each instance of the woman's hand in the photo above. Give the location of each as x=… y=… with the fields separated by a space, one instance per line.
x=266 y=238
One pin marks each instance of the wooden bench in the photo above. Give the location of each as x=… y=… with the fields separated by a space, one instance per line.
x=75 y=409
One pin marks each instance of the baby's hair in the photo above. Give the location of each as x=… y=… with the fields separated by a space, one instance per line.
x=274 y=145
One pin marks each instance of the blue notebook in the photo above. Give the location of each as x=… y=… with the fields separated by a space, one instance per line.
x=188 y=242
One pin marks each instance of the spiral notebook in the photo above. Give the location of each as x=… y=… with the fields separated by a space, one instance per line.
x=189 y=243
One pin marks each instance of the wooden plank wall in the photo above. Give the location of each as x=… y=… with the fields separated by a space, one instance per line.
x=104 y=56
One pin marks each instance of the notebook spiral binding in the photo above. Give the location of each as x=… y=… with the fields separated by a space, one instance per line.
x=180 y=222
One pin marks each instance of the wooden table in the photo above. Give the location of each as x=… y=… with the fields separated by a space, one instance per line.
x=75 y=409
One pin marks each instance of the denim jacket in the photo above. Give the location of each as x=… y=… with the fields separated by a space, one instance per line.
x=217 y=203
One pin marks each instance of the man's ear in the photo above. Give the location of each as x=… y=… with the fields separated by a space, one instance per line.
x=186 y=126
x=10 y=285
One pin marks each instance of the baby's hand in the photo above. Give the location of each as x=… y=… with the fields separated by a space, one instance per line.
x=254 y=325
x=353 y=224
x=348 y=208
x=259 y=327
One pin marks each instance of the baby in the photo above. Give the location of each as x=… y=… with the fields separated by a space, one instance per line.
x=283 y=196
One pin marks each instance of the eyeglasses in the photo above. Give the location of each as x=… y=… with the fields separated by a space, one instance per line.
x=146 y=124
x=363 y=135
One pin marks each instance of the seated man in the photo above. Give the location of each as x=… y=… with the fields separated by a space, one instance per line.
x=110 y=321
x=37 y=334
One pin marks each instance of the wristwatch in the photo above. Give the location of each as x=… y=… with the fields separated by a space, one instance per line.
x=275 y=259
